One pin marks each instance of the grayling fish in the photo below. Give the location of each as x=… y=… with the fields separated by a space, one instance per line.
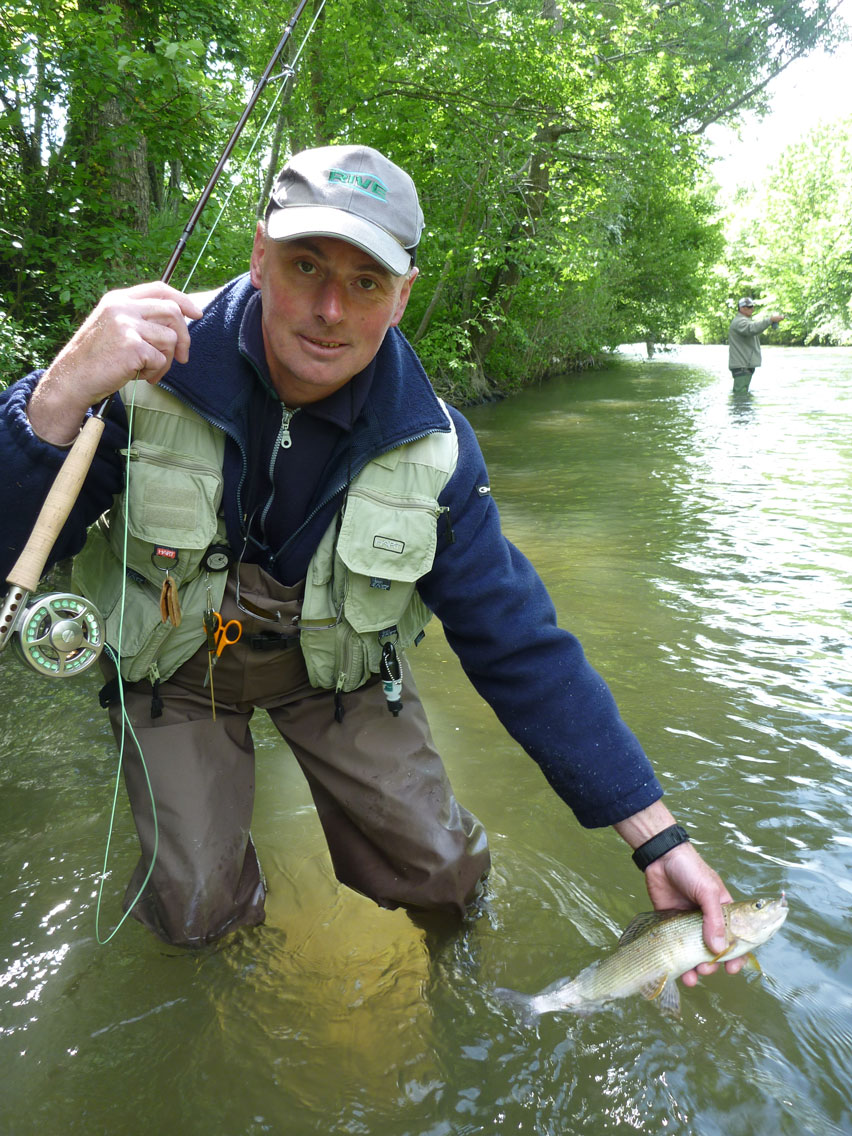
x=655 y=949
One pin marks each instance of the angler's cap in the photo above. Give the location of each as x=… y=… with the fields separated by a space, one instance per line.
x=353 y=193
x=746 y=302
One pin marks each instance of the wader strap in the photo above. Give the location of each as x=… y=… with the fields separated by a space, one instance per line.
x=271 y=641
x=108 y=693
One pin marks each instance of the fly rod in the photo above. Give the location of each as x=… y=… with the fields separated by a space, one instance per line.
x=62 y=635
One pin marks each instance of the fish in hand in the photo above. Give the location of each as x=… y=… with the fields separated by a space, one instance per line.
x=655 y=949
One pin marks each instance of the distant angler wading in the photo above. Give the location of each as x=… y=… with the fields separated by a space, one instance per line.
x=744 y=342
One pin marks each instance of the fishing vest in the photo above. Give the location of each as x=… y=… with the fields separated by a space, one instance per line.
x=360 y=588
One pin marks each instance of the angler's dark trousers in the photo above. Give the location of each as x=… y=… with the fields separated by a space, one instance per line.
x=394 y=828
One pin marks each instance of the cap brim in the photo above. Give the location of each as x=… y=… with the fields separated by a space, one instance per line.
x=321 y=221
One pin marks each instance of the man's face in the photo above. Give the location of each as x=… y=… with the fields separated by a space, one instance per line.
x=747 y=310
x=327 y=306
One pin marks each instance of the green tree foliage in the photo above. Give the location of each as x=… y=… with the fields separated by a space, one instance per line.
x=108 y=112
x=790 y=238
x=788 y=243
x=558 y=151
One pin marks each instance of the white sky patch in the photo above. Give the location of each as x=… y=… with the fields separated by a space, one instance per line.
x=812 y=91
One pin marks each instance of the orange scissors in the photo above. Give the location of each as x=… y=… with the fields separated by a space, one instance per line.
x=225 y=634
x=219 y=636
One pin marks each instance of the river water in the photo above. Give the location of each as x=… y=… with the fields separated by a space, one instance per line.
x=698 y=544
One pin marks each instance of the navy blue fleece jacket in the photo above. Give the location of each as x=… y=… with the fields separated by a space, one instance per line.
x=495 y=610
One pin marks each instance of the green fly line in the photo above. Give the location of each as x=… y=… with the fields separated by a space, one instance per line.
x=127 y=726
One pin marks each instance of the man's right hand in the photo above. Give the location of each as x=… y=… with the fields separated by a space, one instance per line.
x=133 y=331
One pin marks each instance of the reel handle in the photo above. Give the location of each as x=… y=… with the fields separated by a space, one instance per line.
x=57 y=507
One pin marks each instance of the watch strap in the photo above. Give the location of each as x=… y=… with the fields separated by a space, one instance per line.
x=659 y=845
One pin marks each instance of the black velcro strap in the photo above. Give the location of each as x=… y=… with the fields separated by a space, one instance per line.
x=270 y=641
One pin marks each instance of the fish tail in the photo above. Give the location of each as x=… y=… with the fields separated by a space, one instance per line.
x=523 y=1005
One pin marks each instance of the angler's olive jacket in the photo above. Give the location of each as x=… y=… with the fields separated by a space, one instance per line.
x=744 y=341
x=495 y=610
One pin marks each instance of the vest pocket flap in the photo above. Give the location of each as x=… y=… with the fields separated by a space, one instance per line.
x=385 y=539
x=171 y=504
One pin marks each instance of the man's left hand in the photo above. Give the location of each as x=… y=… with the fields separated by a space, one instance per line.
x=681 y=879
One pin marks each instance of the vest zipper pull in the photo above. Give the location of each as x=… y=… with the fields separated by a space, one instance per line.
x=156 y=700
x=338 y=698
x=444 y=510
x=284 y=439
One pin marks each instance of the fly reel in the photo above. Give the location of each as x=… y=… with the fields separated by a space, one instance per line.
x=59 y=635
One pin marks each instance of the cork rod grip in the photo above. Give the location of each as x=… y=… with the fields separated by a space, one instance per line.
x=57 y=506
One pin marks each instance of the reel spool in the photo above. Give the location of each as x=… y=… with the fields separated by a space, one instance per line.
x=60 y=635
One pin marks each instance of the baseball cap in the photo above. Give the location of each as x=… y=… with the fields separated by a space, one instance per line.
x=746 y=302
x=350 y=192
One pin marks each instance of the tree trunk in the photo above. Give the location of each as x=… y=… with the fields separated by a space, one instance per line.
x=114 y=152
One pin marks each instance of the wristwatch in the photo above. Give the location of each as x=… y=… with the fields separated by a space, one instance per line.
x=659 y=845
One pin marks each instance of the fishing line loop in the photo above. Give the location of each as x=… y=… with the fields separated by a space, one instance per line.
x=286 y=72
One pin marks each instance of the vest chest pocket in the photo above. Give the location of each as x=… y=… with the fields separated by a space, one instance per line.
x=171 y=500
x=387 y=543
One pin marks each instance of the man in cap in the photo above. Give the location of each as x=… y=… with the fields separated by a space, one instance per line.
x=299 y=488
x=744 y=342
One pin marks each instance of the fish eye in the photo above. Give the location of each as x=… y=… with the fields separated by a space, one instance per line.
x=759 y=904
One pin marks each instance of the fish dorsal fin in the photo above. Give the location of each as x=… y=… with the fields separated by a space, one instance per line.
x=644 y=921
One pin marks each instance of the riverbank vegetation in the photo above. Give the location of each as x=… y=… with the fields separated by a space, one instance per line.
x=789 y=243
x=559 y=152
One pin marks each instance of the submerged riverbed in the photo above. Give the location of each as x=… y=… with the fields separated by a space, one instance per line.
x=698 y=544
